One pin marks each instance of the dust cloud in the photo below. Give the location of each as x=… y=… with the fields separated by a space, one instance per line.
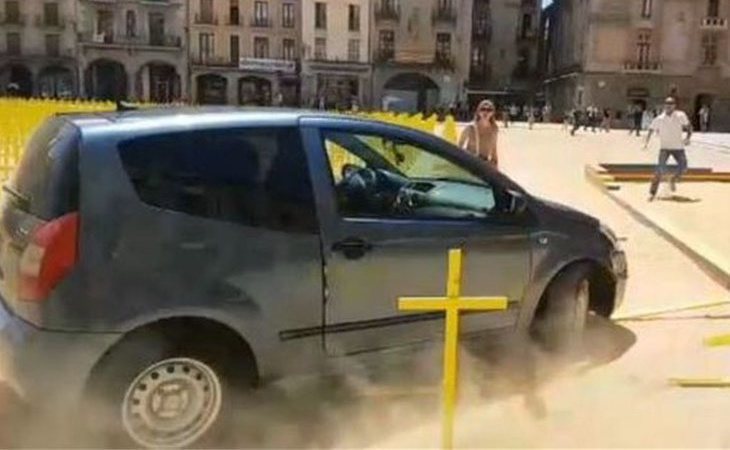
x=393 y=402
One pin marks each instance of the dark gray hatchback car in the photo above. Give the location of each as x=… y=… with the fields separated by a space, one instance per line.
x=160 y=260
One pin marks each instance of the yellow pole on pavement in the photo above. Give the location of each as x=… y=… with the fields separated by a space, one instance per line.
x=452 y=305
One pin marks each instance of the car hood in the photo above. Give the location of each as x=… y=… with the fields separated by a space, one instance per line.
x=558 y=212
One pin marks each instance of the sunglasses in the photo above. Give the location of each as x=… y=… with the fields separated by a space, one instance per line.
x=486 y=110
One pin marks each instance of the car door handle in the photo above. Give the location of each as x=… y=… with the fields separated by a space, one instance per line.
x=352 y=248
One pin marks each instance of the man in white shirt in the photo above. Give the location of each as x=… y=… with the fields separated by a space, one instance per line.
x=670 y=126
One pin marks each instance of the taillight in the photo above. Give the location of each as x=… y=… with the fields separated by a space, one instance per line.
x=48 y=258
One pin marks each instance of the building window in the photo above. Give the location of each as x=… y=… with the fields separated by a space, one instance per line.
x=288 y=49
x=646 y=8
x=50 y=14
x=12 y=11
x=206 y=45
x=320 y=15
x=386 y=44
x=353 y=50
x=235 y=49
x=478 y=58
x=261 y=47
x=105 y=25
x=709 y=49
x=320 y=48
x=261 y=14
x=643 y=48
x=12 y=41
x=353 y=18
x=156 y=25
x=713 y=8
x=443 y=46
x=526 y=25
x=234 y=14
x=206 y=11
x=287 y=15
x=131 y=24
x=53 y=45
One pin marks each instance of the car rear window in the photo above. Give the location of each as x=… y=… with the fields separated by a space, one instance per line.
x=46 y=182
x=254 y=177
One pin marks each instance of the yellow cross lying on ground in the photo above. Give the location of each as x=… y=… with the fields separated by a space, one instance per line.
x=452 y=304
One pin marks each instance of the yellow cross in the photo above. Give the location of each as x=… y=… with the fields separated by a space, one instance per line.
x=452 y=304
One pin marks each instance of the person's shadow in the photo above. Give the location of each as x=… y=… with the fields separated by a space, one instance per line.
x=679 y=199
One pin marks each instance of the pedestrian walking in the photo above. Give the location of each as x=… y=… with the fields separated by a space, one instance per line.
x=567 y=120
x=546 y=113
x=606 y=121
x=669 y=125
x=636 y=115
x=591 y=118
x=514 y=113
x=577 y=119
x=505 y=117
x=704 y=118
x=530 y=111
x=480 y=137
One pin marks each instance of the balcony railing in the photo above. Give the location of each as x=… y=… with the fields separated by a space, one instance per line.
x=45 y=22
x=713 y=23
x=154 y=40
x=262 y=22
x=12 y=19
x=205 y=19
x=642 y=67
x=213 y=61
x=382 y=55
x=387 y=11
x=444 y=14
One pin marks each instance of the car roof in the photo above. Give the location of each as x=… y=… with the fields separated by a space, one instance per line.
x=193 y=117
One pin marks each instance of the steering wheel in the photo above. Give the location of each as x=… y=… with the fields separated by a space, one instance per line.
x=364 y=178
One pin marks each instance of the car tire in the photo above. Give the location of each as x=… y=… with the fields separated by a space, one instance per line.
x=560 y=320
x=151 y=392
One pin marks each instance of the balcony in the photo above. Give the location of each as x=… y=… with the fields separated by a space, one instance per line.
x=212 y=61
x=383 y=55
x=261 y=22
x=387 y=12
x=642 y=67
x=713 y=23
x=52 y=24
x=163 y=41
x=12 y=19
x=205 y=19
x=444 y=14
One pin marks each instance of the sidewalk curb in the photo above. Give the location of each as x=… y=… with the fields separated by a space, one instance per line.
x=715 y=266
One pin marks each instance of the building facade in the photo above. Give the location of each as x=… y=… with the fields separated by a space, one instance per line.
x=613 y=54
x=37 y=48
x=245 y=52
x=503 y=59
x=132 y=49
x=420 y=52
x=336 y=43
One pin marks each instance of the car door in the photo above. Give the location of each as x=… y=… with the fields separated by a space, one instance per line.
x=373 y=256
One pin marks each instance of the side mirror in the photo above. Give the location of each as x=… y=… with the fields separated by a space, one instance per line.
x=517 y=203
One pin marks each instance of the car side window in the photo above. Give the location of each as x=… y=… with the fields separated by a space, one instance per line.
x=254 y=177
x=381 y=176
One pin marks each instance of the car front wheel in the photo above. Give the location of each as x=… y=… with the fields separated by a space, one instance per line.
x=561 y=317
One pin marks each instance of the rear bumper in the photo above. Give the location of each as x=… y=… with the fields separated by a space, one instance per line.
x=47 y=368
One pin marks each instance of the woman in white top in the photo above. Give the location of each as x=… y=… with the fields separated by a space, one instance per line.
x=480 y=136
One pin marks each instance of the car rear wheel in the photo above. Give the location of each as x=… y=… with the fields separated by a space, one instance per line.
x=172 y=403
x=560 y=321
x=154 y=393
